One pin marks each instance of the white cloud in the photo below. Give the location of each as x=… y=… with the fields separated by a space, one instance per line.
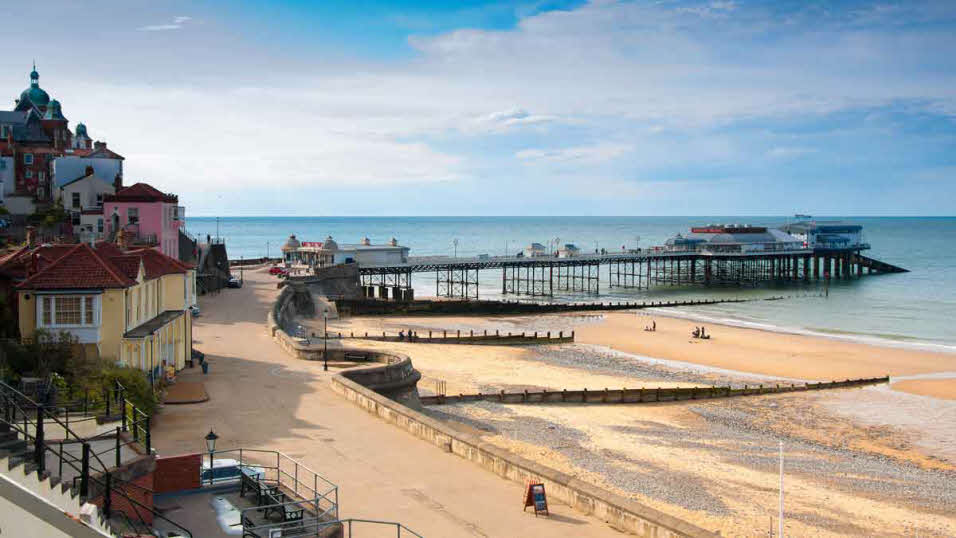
x=177 y=24
x=596 y=154
x=788 y=152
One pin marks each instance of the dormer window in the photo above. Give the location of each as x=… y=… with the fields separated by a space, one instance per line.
x=27 y=158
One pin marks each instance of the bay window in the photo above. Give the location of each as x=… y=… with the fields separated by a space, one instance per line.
x=68 y=311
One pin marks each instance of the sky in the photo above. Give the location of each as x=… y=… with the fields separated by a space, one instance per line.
x=721 y=107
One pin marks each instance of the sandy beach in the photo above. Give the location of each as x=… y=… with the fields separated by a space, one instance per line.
x=874 y=461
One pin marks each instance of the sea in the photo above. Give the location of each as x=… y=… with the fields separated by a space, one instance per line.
x=915 y=309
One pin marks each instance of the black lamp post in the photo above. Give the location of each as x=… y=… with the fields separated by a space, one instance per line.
x=325 y=340
x=211 y=447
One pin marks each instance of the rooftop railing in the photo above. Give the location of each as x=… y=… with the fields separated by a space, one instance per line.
x=298 y=489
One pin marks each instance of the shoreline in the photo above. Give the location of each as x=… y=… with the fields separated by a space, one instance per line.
x=843 y=336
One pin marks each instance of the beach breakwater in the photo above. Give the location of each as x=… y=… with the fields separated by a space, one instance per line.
x=642 y=395
x=375 y=307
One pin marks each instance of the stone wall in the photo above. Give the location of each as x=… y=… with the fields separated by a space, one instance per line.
x=618 y=512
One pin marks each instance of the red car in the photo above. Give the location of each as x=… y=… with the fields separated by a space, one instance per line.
x=278 y=271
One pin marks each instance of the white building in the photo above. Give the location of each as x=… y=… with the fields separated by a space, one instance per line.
x=569 y=250
x=329 y=252
x=83 y=198
x=535 y=250
x=828 y=235
x=736 y=239
x=68 y=168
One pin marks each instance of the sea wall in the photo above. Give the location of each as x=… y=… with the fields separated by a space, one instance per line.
x=621 y=513
x=389 y=374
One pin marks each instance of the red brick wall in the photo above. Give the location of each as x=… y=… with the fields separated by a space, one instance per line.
x=142 y=494
x=177 y=473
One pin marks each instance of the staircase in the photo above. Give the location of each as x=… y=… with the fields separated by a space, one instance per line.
x=16 y=465
x=875 y=265
x=52 y=480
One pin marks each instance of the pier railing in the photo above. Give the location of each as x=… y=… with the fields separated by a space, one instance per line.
x=642 y=395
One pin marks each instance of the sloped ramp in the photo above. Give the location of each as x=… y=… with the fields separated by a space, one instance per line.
x=876 y=265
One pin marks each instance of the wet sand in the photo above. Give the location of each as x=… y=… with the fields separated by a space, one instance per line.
x=944 y=389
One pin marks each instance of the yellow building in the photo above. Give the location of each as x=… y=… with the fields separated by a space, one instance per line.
x=131 y=306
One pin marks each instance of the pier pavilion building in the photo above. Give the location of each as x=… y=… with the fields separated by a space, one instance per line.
x=329 y=252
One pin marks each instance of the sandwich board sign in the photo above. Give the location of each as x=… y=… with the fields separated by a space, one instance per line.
x=536 y=498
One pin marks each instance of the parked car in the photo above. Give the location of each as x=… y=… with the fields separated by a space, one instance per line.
x=227 y=470
x=233 y=283
x=277 y=270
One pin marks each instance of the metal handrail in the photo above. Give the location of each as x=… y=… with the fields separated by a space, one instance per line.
x=347 y=523
x=10 y=396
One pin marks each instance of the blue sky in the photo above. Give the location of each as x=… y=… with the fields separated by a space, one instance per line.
x=540 y=108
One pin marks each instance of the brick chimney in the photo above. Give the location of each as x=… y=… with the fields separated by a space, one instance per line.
x=31 y=237
x=99 y=145
x=122 y=241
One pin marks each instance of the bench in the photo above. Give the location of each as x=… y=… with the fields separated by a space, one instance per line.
x=277 y=502
x=356 y=356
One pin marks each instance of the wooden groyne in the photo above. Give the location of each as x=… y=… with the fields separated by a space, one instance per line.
x=642 y=395
x=497 y=338
x=378 y=307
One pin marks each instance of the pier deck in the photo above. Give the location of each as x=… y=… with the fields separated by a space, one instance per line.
x=545 y=275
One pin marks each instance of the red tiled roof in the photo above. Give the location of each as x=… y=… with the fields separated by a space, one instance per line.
x=80 y=268
x=107 y=248
x=128 y=264
x=83 y=267
x=140 y=192
x=157 y=263
x=15 y=265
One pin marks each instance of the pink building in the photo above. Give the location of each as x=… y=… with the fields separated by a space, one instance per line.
x=147 y=216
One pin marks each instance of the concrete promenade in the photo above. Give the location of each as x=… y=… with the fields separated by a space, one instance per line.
x=260 y=397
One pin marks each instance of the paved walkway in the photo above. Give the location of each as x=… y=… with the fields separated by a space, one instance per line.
x=262 y=398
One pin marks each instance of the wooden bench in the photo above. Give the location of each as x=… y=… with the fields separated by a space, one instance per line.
x=276 y=500
x=250 y=483
x=356 y=357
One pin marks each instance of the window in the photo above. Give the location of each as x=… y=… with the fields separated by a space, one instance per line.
x=41 y=175
x=76 y=218
x=132 y=215
x=99 y=225
x=4 y=131
x=88 y=311
x=69 y=310
x=76 y=199
x=99 y=199
x=28 y=173
x=27 y=158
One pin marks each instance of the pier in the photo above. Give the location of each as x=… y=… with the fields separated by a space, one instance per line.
x=543 y=276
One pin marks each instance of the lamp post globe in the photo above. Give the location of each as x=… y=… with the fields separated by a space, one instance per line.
x=211 y=441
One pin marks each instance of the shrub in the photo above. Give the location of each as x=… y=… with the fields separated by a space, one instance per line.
x=138 y=389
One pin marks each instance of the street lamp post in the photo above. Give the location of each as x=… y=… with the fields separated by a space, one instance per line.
x=325 y=340
x=456 y=246
x=211 y=447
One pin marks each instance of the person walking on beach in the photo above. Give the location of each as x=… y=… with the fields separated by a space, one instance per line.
x=653 y=326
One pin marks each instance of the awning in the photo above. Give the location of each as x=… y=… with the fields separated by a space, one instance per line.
x=154 y=324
